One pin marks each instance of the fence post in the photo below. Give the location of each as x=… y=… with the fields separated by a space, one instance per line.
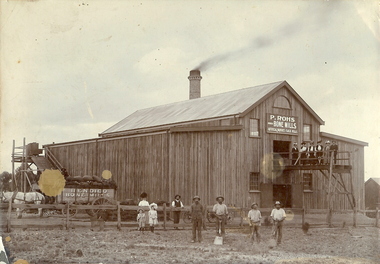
x=9 y=216
x=164 y=216
x=67 y=215
x=204 y=219
x=242 y=213
x=329 y=217
x=377 y=217
x=303 y=216
x=118 y=216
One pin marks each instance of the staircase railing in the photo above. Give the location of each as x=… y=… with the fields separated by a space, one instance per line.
x=50 y=156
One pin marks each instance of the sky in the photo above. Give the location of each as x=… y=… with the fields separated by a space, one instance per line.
x=71 y=69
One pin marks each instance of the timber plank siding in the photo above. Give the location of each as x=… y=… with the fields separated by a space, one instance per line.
x=214 y=157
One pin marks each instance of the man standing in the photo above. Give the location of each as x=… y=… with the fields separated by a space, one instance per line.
x=311 y=151
x=254 y=216
x=334 y=149
x=327 y=152
x=278 y=216
x=177 y=205
x=221 y=212
x=294 y=153
x=319 y=151
x=303 y=151
x=197 y=213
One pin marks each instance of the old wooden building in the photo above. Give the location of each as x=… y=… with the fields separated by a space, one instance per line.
x=372 y=193
x=235 y=144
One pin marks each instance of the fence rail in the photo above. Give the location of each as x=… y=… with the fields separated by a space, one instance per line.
x=239 y=212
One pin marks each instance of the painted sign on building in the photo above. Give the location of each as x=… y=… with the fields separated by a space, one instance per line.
x=282 y=124
x=84 y=195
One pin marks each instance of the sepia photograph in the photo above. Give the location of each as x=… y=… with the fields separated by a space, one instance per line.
x=189 y=131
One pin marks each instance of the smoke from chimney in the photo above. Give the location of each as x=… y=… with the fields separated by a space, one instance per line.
x=316 y=17
x=195 y=84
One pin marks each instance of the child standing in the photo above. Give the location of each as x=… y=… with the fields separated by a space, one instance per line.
x=254 y=216
x=278 y=215
x=141 y=220
x=153 y=220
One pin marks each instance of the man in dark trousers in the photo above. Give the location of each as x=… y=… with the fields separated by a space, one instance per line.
x=319 y=151
x=177 y=205
x=294 y=153
x=334 y=149
x=197 y=213
x=311 y=151
x=221 y=213
x=327 y=152
x=303 y=151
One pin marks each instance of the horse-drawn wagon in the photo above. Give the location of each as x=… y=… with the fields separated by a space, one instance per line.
x=87 y=190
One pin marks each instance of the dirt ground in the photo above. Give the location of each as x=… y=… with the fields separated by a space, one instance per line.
x=81 y=245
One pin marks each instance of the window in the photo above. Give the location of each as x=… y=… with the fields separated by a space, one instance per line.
x=254 y=127
x=254 y=181
x=282 y=102
x=307 y=181
x=306 y=132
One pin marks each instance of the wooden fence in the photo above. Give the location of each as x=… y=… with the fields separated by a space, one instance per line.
x=240 y=214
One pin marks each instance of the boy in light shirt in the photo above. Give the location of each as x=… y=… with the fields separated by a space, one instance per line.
x=278 y=216
x=254 y=216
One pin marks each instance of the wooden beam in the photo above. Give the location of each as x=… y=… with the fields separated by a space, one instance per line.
x=347 y=192
x=205 y=128
x=329 y=195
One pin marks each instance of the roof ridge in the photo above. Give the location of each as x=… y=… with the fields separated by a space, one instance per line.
x=208 y=96
x=206 y=107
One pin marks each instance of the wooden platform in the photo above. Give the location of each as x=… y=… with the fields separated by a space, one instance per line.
x=336 y=168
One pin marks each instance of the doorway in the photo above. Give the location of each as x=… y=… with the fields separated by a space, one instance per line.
x=282 y=148
x=283 y=193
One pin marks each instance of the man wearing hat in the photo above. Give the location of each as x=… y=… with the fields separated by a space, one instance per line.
x=197 y=213
x=177 y=205
x=303 y=151
x=221 y=213
x=294 y=153
x=334 y=149
x=327 y=152
x=254 y=216
x=278 y=216
x=319 y=152
x=311 y=152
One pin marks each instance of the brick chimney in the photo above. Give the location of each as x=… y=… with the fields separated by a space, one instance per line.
x=195 y=84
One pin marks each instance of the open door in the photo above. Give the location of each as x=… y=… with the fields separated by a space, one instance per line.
x=282 y=193
x=282 y=148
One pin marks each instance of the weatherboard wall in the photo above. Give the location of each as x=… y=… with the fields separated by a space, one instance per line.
x=198 y=159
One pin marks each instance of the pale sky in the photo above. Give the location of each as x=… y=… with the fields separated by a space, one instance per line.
x=72 y=69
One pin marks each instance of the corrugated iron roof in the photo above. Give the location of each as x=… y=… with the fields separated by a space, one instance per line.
x=207 y=107
x=350 y=140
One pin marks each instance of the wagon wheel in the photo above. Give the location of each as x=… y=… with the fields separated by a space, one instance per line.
x=101 y=201
x=187 y=217
x=211 y=217
x=90 y=212
x=230 y=217
x=72 y=212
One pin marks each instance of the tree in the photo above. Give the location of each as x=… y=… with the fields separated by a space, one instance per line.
x=5 y=181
